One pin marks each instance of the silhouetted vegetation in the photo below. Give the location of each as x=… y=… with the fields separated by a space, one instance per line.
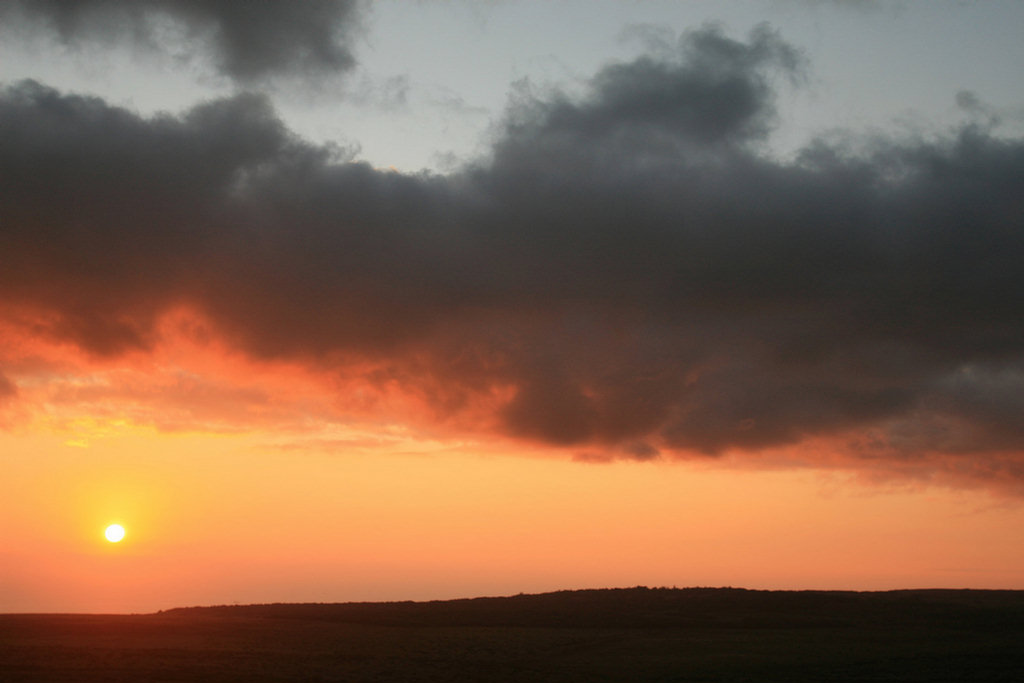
x=636 y=634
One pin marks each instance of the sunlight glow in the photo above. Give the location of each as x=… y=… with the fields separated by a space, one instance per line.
x=114 y=533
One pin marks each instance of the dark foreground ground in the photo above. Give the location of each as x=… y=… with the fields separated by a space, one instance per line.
x=635 y=634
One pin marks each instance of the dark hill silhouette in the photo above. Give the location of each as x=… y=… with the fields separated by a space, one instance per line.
x=598 y=636
x=642 y=607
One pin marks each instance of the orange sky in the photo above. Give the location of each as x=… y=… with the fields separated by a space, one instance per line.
x=653 y=327
x=258 y=501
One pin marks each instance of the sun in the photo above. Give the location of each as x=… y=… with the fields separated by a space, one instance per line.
x=114 y=533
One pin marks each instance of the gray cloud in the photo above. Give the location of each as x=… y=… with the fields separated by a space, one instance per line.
x=627 y=262
x=248 y=41
x=846 y=4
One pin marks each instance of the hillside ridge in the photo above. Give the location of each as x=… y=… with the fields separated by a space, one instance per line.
x=662 y=607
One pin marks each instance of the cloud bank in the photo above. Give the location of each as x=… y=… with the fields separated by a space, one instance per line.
x=627 y=272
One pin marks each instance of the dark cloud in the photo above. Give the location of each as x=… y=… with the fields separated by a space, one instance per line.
x=8 y=389
x=983 y=114
x=712 y=91
x=248 y=40
x=626 y=269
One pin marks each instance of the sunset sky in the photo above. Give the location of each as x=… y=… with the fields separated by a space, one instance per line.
x=340 y=300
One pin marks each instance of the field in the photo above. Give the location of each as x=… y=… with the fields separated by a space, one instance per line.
x=635 y=634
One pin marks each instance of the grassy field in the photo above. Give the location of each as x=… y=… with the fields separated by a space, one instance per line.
x=609 y=635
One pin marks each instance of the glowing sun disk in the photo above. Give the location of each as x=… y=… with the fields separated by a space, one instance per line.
x=114 y=533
